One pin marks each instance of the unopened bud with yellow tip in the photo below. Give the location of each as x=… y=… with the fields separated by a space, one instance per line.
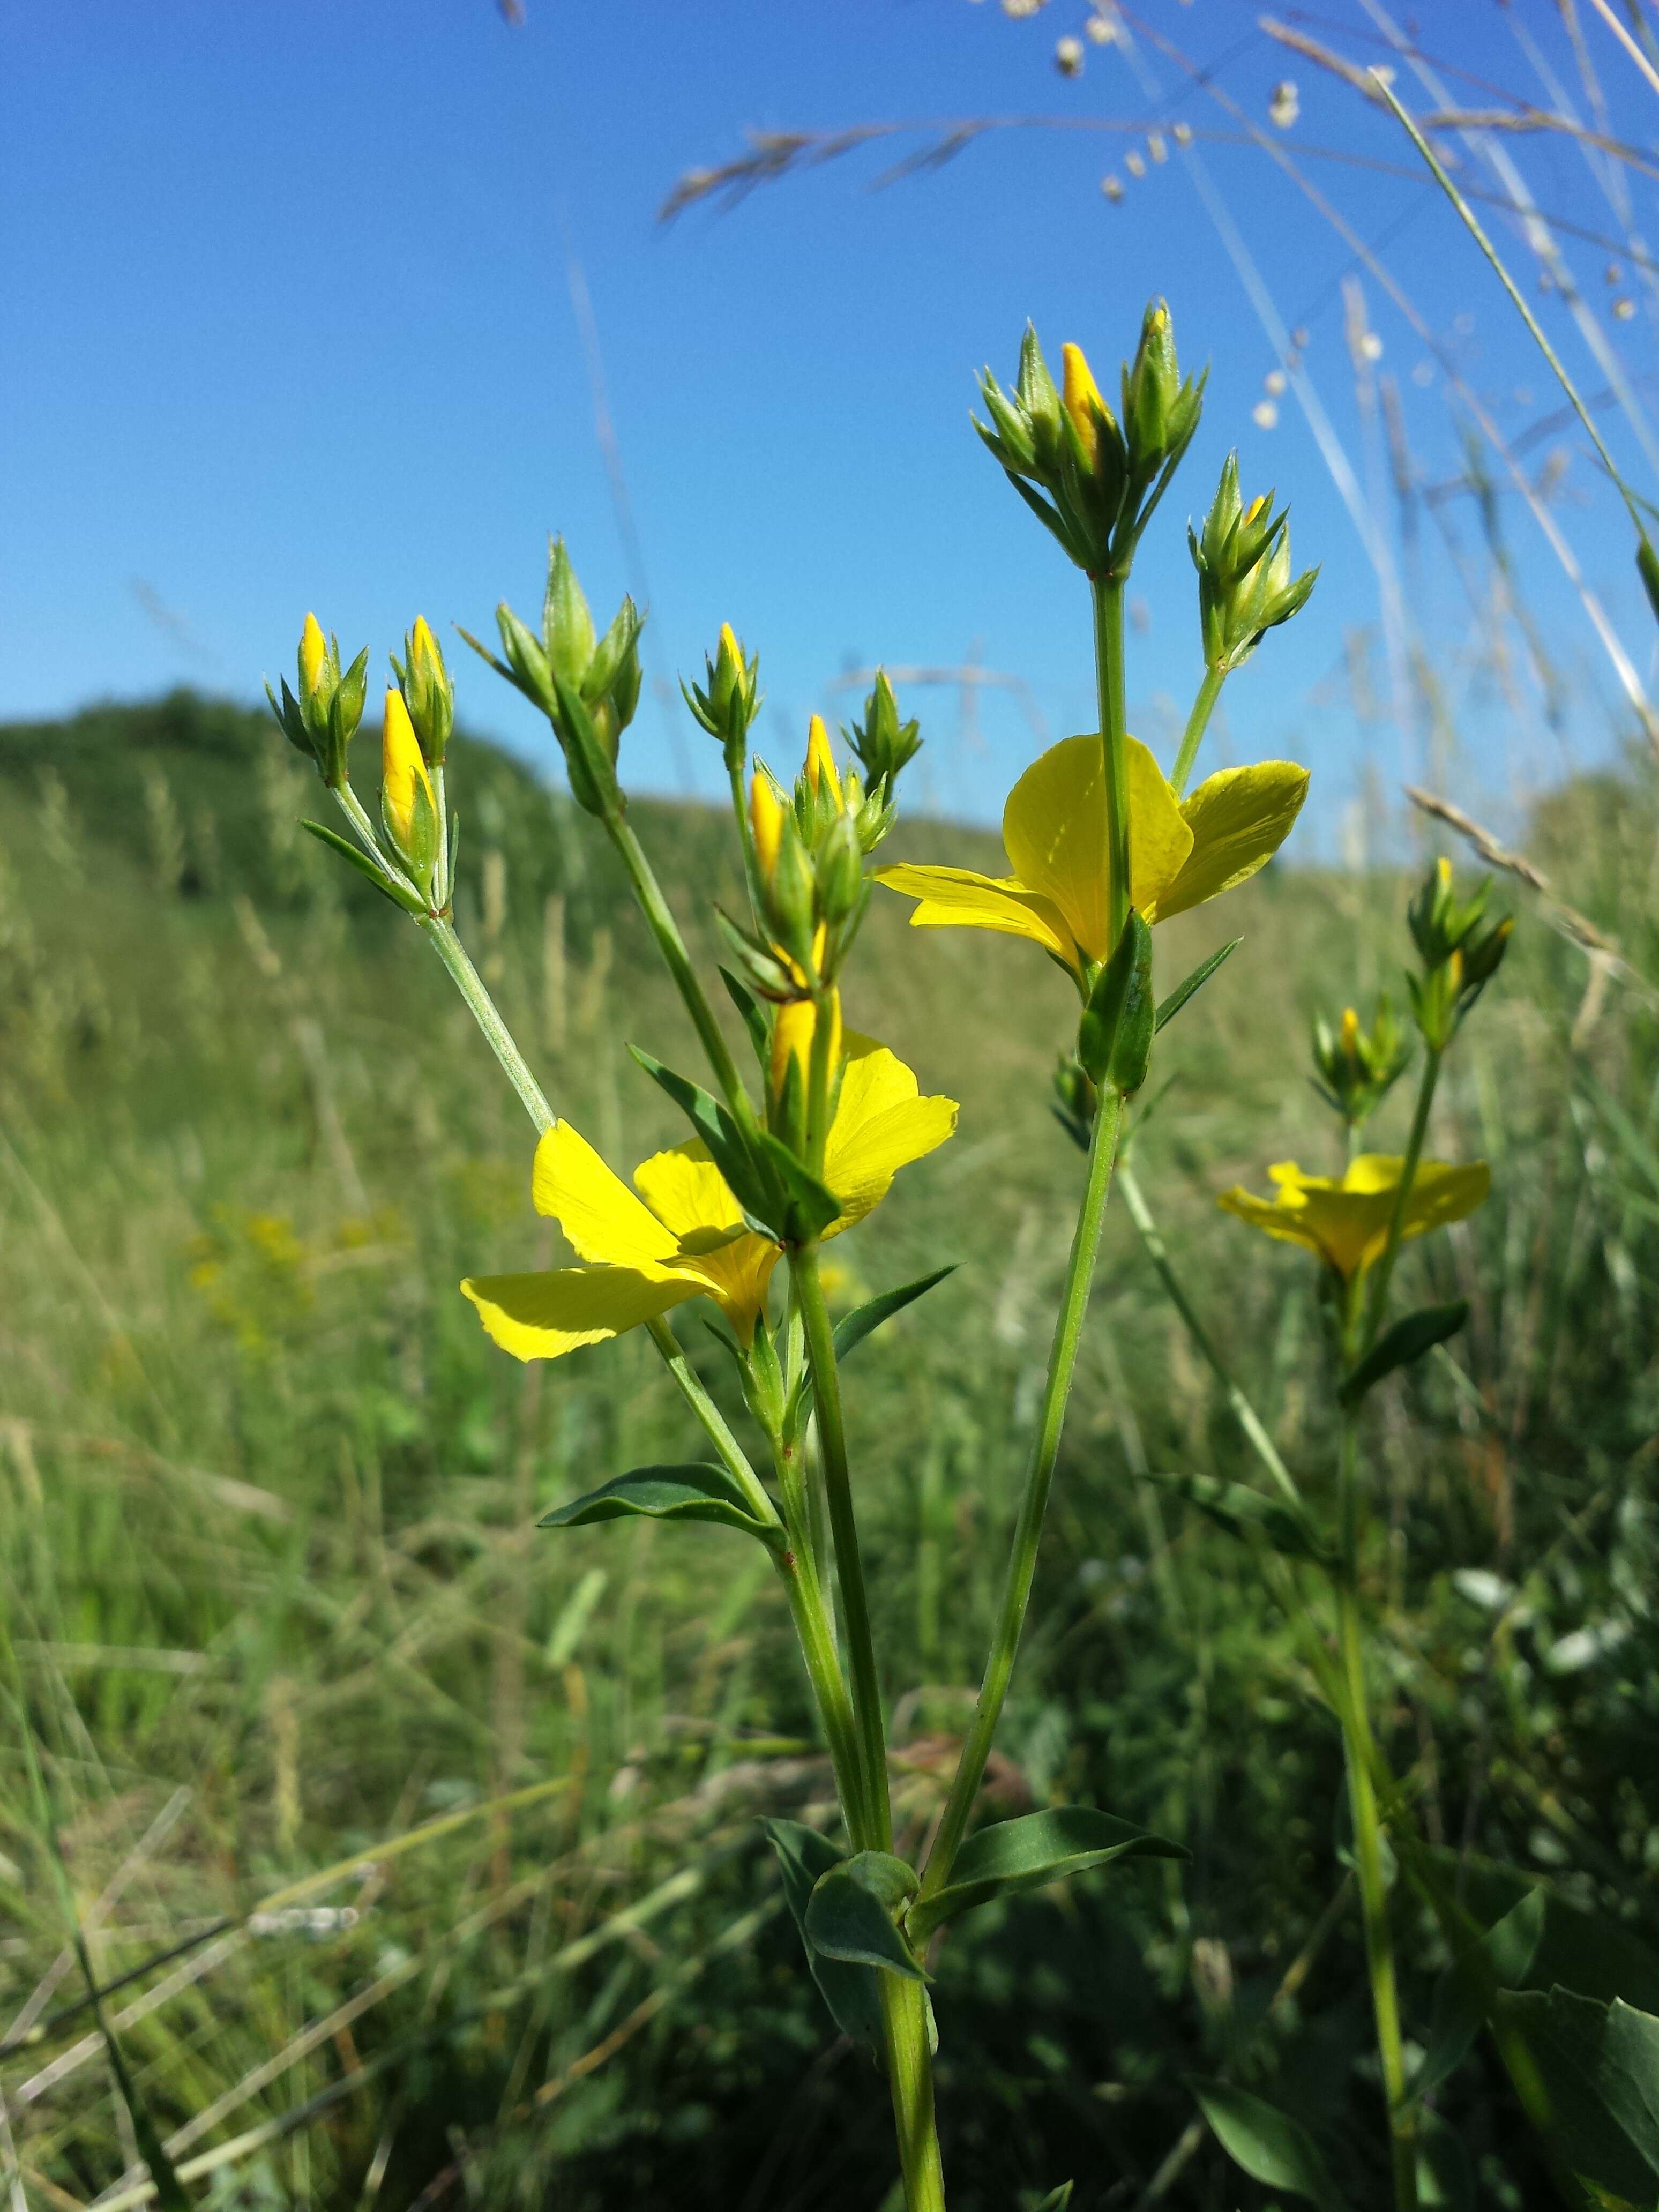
x=1245 y=587
x=728 y=699
x=1081 y=396
x=1358 y=1067
x=766 y=812
x=821 y=774
x=323 y=721
x=409 y=806
x=428 y=692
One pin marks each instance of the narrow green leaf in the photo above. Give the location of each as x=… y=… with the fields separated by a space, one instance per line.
x=865 y=1320
x=1445 y=2172
x=365 y=866
x=851 y=1992
x=1243 y=1511
x=753 y=1020
x=1501 y=1960
x=1057 y=2200
x=1598 y=2065
x=1270 y=2146
x=1029 y=1853
x=662 y=1493
x=757 y=1193
x=1170 y=1008
x=169 y=2189
x=809 y=1205
x=850 y=1915
x=1114 y=1035
x=1408 y=1339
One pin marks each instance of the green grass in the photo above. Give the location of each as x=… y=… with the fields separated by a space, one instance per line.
x=272 y=1596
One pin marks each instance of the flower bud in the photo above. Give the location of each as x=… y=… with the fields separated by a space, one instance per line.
x=839 y=871
x=409 y=809
x=1358 y=1067
x=428 y=692
x=727 y=701
x=566 y=623
x=1152 y=389
x=1245 y=588
x=1087 y=411
x=323 y=721
x=789 y=895
x=793 y=1033
x=766 y=812
x=821 y=776
x=884 y=744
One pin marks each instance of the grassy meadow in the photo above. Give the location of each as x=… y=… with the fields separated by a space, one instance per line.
x=428 y=1841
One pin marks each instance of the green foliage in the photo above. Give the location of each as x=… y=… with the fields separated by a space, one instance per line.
x=266 y=1496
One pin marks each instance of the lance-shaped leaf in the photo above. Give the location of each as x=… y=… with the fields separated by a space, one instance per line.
x=1247 y=1513
x=360 y=860
x=1029 y=1853
x=755 y=1191
x=1599 y=2067
x=854 y=2001
x=1170 y=1008
x=850 y=1916
x=1270 y=2146
x=808 y=1206
x=1408 y=1339
x=1500 y=1960
x=865 y=1320
x=663 y=1493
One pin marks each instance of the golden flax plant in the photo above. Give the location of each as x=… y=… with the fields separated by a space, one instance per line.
x=1102 y=846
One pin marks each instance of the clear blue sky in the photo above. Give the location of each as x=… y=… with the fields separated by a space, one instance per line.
x=288 y=325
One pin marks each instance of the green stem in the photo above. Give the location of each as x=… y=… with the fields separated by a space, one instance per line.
x=1240 y=1406
x=1028 y=1529
x=450 y=949
x=850 y=1567
x=672 y=944
x=1385 y=1270
x=1108 y=595
x=810 y=1613
x=1472 y=224
x=1197 y=722
x=712 y=1421
x=1359 y=1751
x=910 y=2075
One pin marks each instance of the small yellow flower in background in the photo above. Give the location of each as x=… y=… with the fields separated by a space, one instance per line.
x=820 y=761
x=1347 y=1222
x=1053 y=828
x=683 y=1236
x=402 y=770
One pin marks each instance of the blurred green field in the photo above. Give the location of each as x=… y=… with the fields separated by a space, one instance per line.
x=273 y=1599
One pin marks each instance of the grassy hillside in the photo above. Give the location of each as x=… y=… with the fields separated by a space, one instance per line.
x=272 y=1595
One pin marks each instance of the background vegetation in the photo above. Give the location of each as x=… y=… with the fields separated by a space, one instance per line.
x=452 y=1825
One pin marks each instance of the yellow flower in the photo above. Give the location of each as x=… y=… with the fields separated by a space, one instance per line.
x=402 y=769
x=1347 y=1222
x=683 y=1236
x=1053 y=828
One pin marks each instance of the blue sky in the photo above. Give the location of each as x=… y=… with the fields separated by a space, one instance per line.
x=289 y=324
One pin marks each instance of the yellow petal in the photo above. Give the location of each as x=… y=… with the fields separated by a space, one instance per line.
x=402 y=769
x=1279 y=1221
x=766 y=819
x=313 y=653
x=543 y=1316
x=1054 y=828
x=820 y=761
x=684 y=1189
x=1080 y=395
x=881 y=1124
x=1239 y=819
x=962 y=898
x=735 y=1278
x=596 y=1211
